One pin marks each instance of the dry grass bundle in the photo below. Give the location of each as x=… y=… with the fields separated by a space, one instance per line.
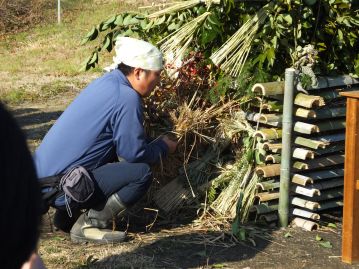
x=198 y=121
x=226 y=203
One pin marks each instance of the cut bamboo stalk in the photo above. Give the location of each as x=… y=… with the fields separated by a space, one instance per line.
x=305 y=214
x=326 y=82
x=268 y=170
x=304 y=113
x=265 y=208
x=273 y=147
x=303 y=154
x=301 y=180
x=269 y=119
x=324 y=205
x=273 y=158
x=270 y=217
x=321 y=141
x=268 y=88
x=268 y=185
x=268 y=134
x=305 y=224
x=310 y=143
x=328 y=184
x=266 y=196
x=308 y=101
x=309 y=192
x=304 y=203
x=305 y=128
x=322 y=113
x=329 y=194
x=320 y=162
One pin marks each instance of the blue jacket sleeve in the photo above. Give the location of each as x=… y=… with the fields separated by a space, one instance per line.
x=129 y=137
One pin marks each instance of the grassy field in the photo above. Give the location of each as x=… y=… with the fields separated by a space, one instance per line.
x=44 y=61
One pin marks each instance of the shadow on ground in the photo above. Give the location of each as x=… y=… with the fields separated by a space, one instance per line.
x=192 y=250
x=35 y=122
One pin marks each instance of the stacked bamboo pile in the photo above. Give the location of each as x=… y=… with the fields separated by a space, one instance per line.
x=266 y=116
x=317 y=149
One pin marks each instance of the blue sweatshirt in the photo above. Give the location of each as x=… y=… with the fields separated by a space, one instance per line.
x=105 y=120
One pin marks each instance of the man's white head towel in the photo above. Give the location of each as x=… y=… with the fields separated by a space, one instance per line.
x=136 y=53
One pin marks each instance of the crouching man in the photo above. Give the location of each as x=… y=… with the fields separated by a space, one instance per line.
x=103 y=123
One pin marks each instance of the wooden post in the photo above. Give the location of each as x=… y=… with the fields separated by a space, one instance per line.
x=350 y=240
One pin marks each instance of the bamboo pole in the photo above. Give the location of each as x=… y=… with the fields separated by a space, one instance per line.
x=305 y=224
x=287 y=124
x=268 y=88
x=308 y=101
x=323 y=113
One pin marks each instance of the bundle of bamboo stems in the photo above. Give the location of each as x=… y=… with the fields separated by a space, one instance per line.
x=176 y=44
x=232 y=55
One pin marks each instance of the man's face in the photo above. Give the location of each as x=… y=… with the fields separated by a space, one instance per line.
x=147 y=81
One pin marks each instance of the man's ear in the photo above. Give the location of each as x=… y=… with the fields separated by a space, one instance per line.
x=137 y=72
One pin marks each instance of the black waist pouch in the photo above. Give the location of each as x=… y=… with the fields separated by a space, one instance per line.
x=77 y=184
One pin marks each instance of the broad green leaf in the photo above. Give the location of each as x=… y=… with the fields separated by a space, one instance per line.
x=288 y=19
x=340 y=35
x=332 y=225
x=127 y=20
x=326 y=244
x=94 y=35
x=92 y=32
x=306 y=25
x=208 y=36
x=104 y=27
x=143 y=24
x=173 y=26
x=110 y=20
x=84 y=41
x=107 y=42
x=119 y=20
x=94 y=58
x=134 y=21
x=129 y=33
x=181 y=17
x=287 y=235
x=213 y=19
x=346 y=22
x=160 y=20
x=149 y=25
x=201 y=10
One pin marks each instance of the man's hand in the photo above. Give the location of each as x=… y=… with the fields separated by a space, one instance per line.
x=172 y=145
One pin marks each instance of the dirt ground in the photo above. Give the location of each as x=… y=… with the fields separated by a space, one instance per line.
x=177 y=243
